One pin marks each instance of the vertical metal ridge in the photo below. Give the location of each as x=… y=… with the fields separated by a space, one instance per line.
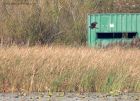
x=100 y=22
x=126 y=17
x=95 y=32
x=121 y=22
x=136 y=23
x=116 y=24
x=131 y=21
x=111 y=22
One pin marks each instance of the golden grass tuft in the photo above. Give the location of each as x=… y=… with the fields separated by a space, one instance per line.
x=61 y=68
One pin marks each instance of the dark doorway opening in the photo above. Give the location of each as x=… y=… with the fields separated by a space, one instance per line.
x=116 y=35
x=104 y=35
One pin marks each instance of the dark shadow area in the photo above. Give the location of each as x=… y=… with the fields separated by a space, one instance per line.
x=116 y=35
x=132 y=35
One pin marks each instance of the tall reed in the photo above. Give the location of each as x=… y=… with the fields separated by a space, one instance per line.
x=61 y=68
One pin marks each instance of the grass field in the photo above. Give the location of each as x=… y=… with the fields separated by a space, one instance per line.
x=61 y=68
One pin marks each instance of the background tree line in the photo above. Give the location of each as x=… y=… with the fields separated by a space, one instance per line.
x=33 y=22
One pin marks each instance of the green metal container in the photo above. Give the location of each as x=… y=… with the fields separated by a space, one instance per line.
x=104 y=29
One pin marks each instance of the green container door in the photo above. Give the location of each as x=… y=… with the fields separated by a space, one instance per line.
x=112 y=28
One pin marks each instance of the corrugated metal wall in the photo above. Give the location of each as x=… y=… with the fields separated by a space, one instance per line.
x=112 y=23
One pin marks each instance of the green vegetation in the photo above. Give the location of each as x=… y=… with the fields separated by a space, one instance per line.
x=30 y=22
x=53 y=68
x=69 y=69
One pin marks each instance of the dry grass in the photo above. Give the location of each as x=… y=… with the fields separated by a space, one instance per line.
x=62 y=68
